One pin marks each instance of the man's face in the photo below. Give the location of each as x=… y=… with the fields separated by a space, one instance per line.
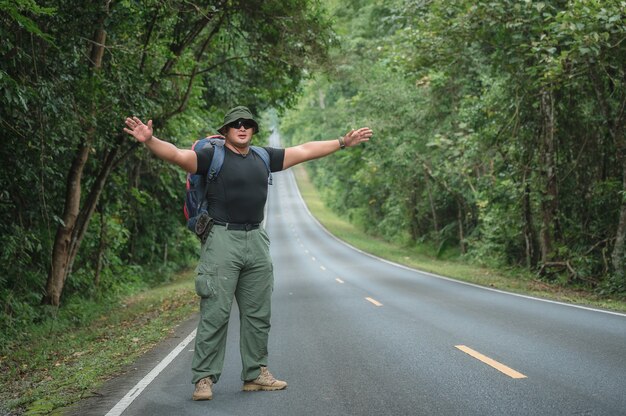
x=240 y=133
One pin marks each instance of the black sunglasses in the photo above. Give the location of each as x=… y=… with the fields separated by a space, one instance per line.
x=247 y=124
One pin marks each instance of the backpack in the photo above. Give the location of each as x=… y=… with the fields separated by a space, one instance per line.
x=195 y=198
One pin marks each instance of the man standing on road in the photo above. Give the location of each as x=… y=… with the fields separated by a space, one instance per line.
x=235 y=259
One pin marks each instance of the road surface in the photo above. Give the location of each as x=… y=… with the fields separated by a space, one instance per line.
x=354 y=335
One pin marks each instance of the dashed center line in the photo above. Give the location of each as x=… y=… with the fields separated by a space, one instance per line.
x=339 y=280
x=493 y=363
x=374 y=301
x=322 y=267
x=313 y=258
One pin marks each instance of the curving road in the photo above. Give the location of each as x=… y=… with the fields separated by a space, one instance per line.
x=354 y=335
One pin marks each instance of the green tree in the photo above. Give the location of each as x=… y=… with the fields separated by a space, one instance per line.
x=73 y=74
x=501 y=126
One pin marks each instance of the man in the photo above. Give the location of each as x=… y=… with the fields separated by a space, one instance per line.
x=235 y=259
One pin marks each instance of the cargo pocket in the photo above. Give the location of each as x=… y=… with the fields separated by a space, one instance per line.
x=265 y=237
x=205 y=280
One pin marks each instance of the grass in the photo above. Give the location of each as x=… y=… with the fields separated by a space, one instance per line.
x=420 y=257
x=53 y=369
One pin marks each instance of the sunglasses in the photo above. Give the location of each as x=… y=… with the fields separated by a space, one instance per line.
x=247 y=124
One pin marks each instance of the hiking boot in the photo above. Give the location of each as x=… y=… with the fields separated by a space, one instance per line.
x=265 y=381
x=203 y=389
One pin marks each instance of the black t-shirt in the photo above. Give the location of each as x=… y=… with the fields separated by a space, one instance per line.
x=239 y=193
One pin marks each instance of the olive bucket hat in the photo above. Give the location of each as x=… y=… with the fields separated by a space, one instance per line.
x=234 y=114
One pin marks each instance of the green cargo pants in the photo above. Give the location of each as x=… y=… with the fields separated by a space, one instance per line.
x=235 y=264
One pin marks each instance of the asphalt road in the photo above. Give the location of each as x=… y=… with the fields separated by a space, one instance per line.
x=354 y=335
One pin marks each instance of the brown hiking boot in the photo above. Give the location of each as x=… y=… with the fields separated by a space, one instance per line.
x=203 y=389
x=265 y=381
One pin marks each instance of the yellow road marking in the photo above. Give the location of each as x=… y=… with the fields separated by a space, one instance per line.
x=498 y=366
x=339 y=280
x=374 y=301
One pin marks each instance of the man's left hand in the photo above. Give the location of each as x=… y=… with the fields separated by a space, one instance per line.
x=355 y=137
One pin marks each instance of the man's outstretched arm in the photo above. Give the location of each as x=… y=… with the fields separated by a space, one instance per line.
x=316 y=149
x=184 y=158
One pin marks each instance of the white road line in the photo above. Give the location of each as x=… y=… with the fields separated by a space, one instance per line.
x=313 y=258
x=402 y=266
x=119 y=408
x=373 y=301
x=339 y=280
x=322 y=267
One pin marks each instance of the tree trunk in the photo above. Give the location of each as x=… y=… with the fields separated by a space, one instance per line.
x=89 y=206
x=529 y=228
x=195 y=71
x=76 y=220
x=151 y=26
x=433 y=211
x=459 y=217
x=322 y=99
x=549 y=200
x=62 y=240
x=413 y=214
x=617 y=256
x=135 y=176
x=101 y=249
x=62 y=248
x=189 y=32
x=615 y=121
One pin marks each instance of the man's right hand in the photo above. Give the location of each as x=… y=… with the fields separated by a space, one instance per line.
x=136 y=128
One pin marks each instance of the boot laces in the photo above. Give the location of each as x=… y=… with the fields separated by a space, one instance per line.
x=265 y=373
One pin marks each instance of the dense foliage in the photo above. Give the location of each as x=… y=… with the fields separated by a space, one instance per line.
x=499 y=130
x=86 y=212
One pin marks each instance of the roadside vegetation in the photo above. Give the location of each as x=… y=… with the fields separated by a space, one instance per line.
x=55 y=365
x=499 y=133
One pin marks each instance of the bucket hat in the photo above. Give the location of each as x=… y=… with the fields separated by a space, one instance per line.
x=236 y=113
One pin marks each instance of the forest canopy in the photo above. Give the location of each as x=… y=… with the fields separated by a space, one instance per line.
x=499 y=130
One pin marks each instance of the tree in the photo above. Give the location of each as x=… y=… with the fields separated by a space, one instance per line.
x=173 y=61
x=502 y=126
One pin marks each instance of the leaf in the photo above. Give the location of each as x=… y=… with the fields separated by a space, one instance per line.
x=58 y=220
x=29 y=25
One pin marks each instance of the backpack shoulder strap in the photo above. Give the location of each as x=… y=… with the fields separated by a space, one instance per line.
x=265 y=156
x=218 y=157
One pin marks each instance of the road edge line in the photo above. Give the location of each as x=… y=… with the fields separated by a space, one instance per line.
x=133 y=393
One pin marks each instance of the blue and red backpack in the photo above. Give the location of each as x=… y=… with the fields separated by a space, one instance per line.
x=195 y=200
